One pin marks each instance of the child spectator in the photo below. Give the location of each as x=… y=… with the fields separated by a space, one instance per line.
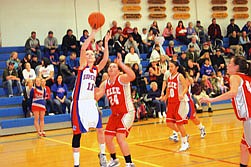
x=206 y=68
x=26 y=103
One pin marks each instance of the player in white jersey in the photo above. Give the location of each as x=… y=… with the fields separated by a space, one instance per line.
x=240 y=93
x=84 y=112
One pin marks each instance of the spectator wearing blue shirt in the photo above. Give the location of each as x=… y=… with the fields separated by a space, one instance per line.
x=59 y=90
x=206 y=68
x=72 y=62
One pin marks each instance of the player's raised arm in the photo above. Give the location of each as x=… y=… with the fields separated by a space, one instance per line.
x=85 y=45
x=103 y=62
x=129 y=74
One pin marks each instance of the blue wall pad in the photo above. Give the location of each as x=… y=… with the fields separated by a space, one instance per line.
x=15 y=111
x=11 y=49
x=5 y=101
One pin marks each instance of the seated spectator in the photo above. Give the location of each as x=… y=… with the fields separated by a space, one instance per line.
x=168 y=32
x=145 y=43
x=218 y=62
x=26 y=102
x=119 y=46
x=151 y=39
x=163 y=63
x=181 y=33
x=183 y=60
x=46 y=71
x=155 y=55
x=127 y=30
x=194 y=43
x=155 y=95
x=26 y=59
x=175 y=58
x=245 y=43
x=193 y=70
x=247 y=28
x=191 y=54
x=201 y=60
x=51 y=46
x=114 y=28
x=68 y=76
x=132 y=57
x=234 y=45
x=170 y=49
x=59 y=90
x=130 y=42
x=216 y=85
x=214 y=31
x=84 y=36
x=221 y=80
x=32 y=46
x=35 y=64
x=155 y=74
x=201 y=32
x=191 y=32
x=232 y=27
x=154 y=27
x=118 y=33
x=28 y=74
x=137 y=37
x=139 y=81
x=69 y=43
x=49 y=102
x=72 y=62
x=206 y=68
x=10 y=79
x=14 y=59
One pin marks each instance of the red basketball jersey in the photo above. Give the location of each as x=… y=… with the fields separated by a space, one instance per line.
x=119 y=96
x=242 y=103
x=173 y=88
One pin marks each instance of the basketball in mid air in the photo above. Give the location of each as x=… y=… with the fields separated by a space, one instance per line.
x=96 y=20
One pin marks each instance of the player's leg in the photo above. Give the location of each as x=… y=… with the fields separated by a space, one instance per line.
x=36 y=123
x=111 y=149
x=171 y=121
x=76 y=148
x=244 y=155
x=201 y=127
x=101 y=141
x=41 y=122
x=245 y=146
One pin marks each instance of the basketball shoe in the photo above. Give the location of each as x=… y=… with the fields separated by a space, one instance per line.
x=130 y=165
x=102 y=160
x=113 y=162
x=174 y=137
x=202 y=132
x=184 y=146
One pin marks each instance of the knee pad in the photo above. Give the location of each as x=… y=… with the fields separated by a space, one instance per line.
x=76 y=141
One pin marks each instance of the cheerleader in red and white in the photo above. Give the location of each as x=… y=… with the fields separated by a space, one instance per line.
x=240 y=93
x=177 y=108
x=37 y=96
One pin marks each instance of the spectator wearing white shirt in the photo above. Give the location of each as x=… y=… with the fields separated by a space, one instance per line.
x=132 y=57
x=28 y=73
x=46 y=71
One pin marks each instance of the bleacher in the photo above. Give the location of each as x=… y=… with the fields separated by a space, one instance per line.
x=12 y=120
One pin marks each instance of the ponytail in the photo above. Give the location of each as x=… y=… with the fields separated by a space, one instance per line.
x=244 y=65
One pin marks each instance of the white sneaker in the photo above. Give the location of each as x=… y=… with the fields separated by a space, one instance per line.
x=130 y=165
x=202 y=132
x=184 y=146
x=164 y=114
x=160 y=116
x=102 y=160
x=174 y=137
x=113 y=162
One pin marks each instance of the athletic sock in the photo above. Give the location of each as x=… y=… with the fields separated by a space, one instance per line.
x=128 y=159
x=113 y=156
x=76 y=156
x=184 y=139
x=102 y=148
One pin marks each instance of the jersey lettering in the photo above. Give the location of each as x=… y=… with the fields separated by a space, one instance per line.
x=114 y=100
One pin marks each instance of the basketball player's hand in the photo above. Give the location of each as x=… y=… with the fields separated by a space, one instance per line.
x=118 y=60
x=205 y=100
x=94 y=31
x=108 y=36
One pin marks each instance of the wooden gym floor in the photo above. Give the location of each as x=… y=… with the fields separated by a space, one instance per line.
x=148 y=143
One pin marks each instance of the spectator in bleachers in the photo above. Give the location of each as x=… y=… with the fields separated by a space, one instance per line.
x=68 y=76
x=201 y=32
x=140 y=82
x=155 y=95
x=194 y=43
x=191 y=33
x=191 y=54
x=116 y=35
x=163 y=63
x=232 y=27
x=216 y=85
x=221 y=80
x=127 y=30
x=26 y=59
x=28 y=73
x=132 y=57
x=137 y=37
x=155 y=74
x=48 y=100
x=119 y=46
x=14 y=59
x=247 y=28
x=245 y=43
x=183 y=59
x=175 y=58
x=206 y=68
x=46 y=71
x=59 y=90
x=130 y=42
x=202 y=59
x=168 y=32
x=37 y=96
x=214 y=31
x=195 y=68
x=69 y=43
x=26 y=102
x=181 y=33
x=151 y=39
x=51 y=46
x=99 y=49
x=206 y=48
x=218 y=62
x=170 y=49
x=114 y=28
x=234 y=45
x=32 y=45
x=155 y=55
x=154 y=27
x=72 y=62
x=10 y=78
x=146 y=44
x=35 y=64
x=84 y=36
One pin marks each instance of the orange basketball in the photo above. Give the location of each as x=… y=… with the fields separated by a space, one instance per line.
x=96 y=20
